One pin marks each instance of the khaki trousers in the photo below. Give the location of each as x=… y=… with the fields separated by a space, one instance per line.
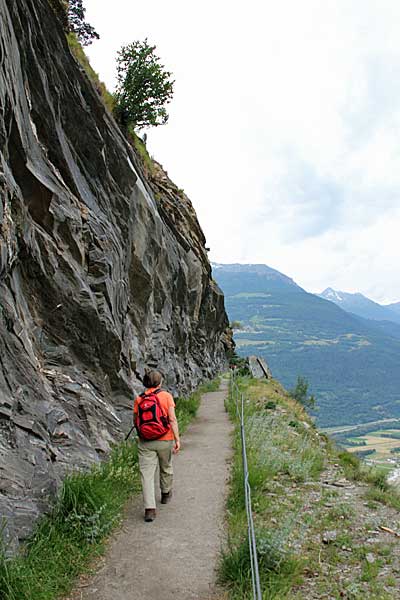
x=152 y=454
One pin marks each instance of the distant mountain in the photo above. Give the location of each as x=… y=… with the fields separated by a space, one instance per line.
x=394 y=307
x=353 y=365
x=362 y=306
x=236 y=271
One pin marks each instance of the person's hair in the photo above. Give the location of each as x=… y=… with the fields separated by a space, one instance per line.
x=152 y=379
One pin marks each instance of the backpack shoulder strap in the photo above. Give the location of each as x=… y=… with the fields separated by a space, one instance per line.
x=155 y=392
x=144 y=395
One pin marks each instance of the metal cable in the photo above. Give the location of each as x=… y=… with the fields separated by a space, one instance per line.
x=255 y=575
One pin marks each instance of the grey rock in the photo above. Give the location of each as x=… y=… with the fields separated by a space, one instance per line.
x=370 y=558
x=98 y=279
x=259 y=368
x=329 y=536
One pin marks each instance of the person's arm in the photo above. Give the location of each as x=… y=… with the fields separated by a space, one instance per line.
x=174 y=426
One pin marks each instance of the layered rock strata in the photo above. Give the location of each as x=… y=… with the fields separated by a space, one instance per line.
x=99 y=277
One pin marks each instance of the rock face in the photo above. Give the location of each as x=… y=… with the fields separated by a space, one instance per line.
x=99 y=277
x=259 y=368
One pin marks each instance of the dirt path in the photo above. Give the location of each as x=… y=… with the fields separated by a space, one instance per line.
x=175 y=556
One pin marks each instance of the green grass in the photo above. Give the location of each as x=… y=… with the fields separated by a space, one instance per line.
x=293 y=508
x=81 y=57
x=186 y=408
x=390 y=497
x=356 y=469
x=380 y=490
x=276 y=568
x=276 y=452
x=210 y=386
x=141 y=150
x=88 y=508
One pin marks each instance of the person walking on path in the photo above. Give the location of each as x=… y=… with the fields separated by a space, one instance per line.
x=158 y=449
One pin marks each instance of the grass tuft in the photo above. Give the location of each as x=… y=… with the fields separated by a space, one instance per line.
x=187 y=407
x=64 y=541
x=235 y=564
x=277 y=568
x=141 y=150
x=79 y=54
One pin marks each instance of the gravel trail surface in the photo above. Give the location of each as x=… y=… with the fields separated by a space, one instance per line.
x=175 y=556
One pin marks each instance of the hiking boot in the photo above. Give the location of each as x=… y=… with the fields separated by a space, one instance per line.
x=149 y=515
x=166 y=497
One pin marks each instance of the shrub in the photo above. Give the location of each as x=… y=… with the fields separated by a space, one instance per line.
x=299 y=393
x=270 y=405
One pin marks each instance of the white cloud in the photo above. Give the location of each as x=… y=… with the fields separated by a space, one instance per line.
x=283 y=129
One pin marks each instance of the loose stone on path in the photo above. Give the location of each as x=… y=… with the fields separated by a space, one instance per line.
x=176 y=555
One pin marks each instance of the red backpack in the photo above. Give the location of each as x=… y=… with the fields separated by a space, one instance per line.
x=151 y=422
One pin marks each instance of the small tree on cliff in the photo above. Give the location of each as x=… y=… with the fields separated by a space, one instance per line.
x=76 y=22
x=144 y=87
x=300 y=393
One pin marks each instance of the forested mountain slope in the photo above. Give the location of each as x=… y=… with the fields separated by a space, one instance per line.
x=353 y=368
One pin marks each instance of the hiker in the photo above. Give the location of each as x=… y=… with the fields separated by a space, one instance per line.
x=157 y=427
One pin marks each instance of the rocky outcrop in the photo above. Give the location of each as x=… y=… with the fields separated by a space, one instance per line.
x=99 y=277
x=259 y=368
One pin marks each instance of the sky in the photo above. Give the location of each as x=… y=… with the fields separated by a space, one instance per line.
x=283 y=129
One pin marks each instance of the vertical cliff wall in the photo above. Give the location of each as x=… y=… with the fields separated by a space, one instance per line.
x=99 y=276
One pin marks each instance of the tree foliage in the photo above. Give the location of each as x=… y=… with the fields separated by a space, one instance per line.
x=144 y=87
x=76 y=21
x=300 y=392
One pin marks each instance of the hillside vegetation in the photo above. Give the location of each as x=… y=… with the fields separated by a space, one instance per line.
x=326 y=524
x=353 y=368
